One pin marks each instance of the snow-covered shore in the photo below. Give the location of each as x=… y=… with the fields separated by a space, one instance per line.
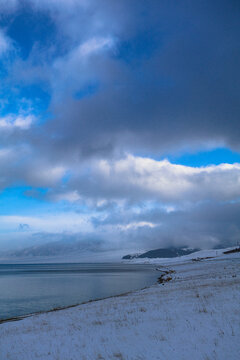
x=196 y=315
x=198 y=255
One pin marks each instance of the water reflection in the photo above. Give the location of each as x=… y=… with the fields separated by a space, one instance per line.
x=38 y=287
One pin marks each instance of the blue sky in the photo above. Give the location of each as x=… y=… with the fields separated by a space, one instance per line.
x=119 y=122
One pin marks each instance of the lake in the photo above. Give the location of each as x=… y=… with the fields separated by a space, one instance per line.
x=29 y=288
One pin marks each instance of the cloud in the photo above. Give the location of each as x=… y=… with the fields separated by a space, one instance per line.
x=205 y=226
x=125 y=230
x=9 y=5
x=23 y=227
x=19 y=164
x=44 y=175
x=167 y=80
x=95 y=45
x=144 y=179
x=75 y=69
x=177 y=89
x=5 y=43
x=21 y=122
x=70 y=196
x=5 y=154
x=51 y=223
x=168 y=76
x=69 y=244
x=62 y=5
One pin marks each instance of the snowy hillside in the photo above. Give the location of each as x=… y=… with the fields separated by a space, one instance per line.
x=198 y=255
x=194 y=315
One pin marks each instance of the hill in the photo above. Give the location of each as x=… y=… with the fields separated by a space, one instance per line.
x=170 y=252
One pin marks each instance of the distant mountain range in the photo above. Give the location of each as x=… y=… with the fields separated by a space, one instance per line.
x=170 y=252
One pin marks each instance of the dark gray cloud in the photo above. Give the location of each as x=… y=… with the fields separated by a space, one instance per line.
x=170 y=79
x=204 y=226
x=178 y=88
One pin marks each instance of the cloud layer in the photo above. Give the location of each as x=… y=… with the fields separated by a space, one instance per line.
x=136 y=178
x=94 y=95
x=167 y=75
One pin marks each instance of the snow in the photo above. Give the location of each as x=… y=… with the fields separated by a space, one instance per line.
x=193 y=316
x=202 y=254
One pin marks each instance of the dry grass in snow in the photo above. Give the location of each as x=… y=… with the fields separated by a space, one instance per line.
x=194 y=316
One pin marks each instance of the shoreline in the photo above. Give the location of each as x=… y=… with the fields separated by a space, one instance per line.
x=193 y=316
x=59 y=308
x=165 y=277
x=22 y=317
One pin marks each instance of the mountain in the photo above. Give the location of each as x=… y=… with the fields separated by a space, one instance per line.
x=162 y=253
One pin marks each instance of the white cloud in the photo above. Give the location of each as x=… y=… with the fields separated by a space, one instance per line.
x=70 y=196
x=95 y=45
x=5 y=43
x=47 y=222
x=72 y=71
x=20 y=121
x=5 y=153
x=137 y=224
x=81 y=53
x=139 y=178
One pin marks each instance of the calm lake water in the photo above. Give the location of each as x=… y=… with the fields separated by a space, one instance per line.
x=27 y=288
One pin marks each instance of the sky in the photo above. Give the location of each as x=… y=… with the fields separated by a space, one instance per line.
x=119 y=126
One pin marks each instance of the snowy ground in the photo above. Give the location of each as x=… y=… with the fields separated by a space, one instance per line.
x=196 y=315
x=202 y=254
